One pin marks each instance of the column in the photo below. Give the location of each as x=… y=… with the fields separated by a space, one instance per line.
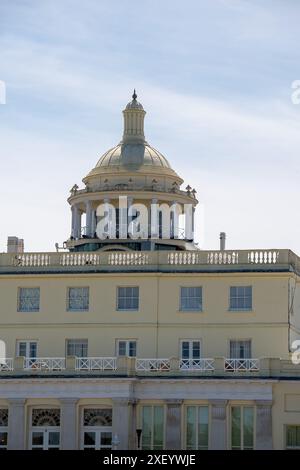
x=93 y=223
x=154 y=218
x=264 y=439
x=16 y=424
x=121 y=421
x=173 y=424
x=76 y=222
x=73 y=222
x=88 y=230
x=68 y=424
x=218 y=440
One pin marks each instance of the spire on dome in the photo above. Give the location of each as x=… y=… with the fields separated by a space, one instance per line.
x=134 y=121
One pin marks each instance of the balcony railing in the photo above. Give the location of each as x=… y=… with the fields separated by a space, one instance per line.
x=96 y=363
x=154 y=365
x=44 y=363
x=197 y=364
x=240 y=365
x=6 y=364
x=151 y=261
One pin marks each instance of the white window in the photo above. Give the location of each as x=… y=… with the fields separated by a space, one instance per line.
x=29 y=299
x=45 y=429
x=191 y=298
x=78 y=299
x=97 y=429
x=27 y=348
x=3 y=428
x=190 y=349
x=240 y=349
x=77 y=347
x=242 y=427
x=126 y=347
x=292 y=436
x=153 y=427
x=240 y=298
x=128 y=298
x=197 y=421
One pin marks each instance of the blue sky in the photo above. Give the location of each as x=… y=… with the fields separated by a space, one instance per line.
x=214 y=77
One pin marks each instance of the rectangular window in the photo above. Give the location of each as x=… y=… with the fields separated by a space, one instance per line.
x=293 y=437
x=197 y=419
x=153 y=418
x=240 y=298
x=29 y=299
x=77 y=347
x=78 y=299
x=242 y=427
x=3 y=427
x=128 y=298
x=126 y=347
x=190 y=349
x=240 y=349
x=27 y=348
x=191 y=298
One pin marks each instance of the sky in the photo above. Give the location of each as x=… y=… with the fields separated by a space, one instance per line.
x=215 y=77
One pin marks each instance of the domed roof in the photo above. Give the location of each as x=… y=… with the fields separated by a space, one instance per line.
x=132 y=155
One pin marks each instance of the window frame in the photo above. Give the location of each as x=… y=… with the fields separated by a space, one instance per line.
x=286 y=426
x=20 y=288
x=68 y=309
x=242 y=406
x=230 y=340
x=27 y=341
x=127 y=341
x=140 y=415
x=76 y=339
x=197 y=406
x=127 y=309
x=190 y=309
x=190 y=340
x=240 y=309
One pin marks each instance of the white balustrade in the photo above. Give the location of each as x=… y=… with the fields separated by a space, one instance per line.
x=44 y=363
x=6 y=364
x=128 y=259
x=197 y=364
x=240 y=365
x=152 y=365
x=79 y=259
x=96 y=363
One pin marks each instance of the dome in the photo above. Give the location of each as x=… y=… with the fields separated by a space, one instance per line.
x=134 y=104
x=132 y=155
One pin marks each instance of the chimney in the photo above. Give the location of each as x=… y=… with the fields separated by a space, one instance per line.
x=15 y=245
x=222 y=240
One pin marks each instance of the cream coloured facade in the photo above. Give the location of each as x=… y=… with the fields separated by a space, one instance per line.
x=119 y=334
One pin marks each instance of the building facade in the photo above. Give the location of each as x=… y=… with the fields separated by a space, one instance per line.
x=134 y=338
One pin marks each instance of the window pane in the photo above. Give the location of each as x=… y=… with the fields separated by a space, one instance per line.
x=146 y=426
x=158 y=427
x=37 y=438
x=240 y=298
x=236 y=427
x=190 y=298
x=128 y=298
x=77 y=347
x=32 y=349
x=22 y=349
x=89 y=438
x=122 y=348
x=196 y=350
x=53 y=438
x=29 y=299
x=248 y=427
x=185 y=349
x=105 y=439
x=191 y=428
x=3 y=439
x=203 y=427
x=132 y=348
x=293 y=436
x=78 y=298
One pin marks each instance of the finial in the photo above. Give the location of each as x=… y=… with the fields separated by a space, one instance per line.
x=134 y=96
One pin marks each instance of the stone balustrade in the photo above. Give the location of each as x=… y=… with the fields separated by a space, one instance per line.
x=277 y=260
